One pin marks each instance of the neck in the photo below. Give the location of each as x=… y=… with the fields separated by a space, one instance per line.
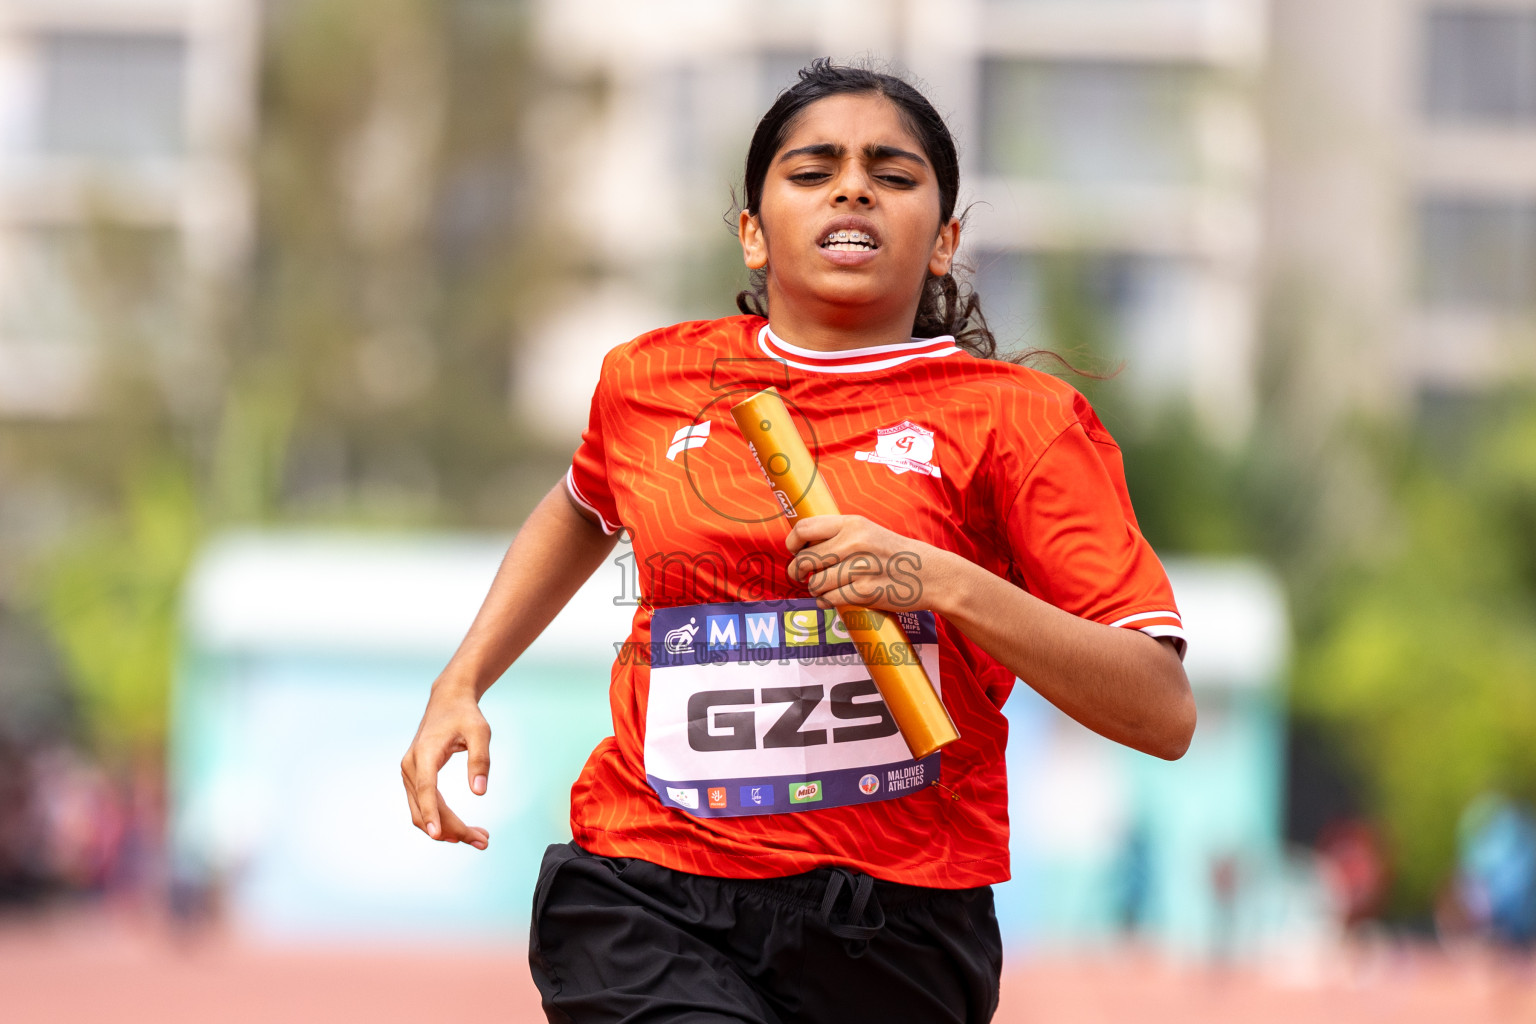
x=830 y=328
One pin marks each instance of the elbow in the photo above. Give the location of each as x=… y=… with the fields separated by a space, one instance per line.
x=1179 y=730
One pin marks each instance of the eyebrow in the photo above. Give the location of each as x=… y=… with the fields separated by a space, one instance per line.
x=837 y=151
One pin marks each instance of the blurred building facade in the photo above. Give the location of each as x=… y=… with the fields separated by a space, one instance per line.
x=136 y=115
x=1373 y=166
x=1363 y=176
x=1369 y=171
x=1403 y=192
x=1119 y=140
x=1197 y=166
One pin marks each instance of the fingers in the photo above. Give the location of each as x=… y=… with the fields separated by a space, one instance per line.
x=425 y=798
x=479 y=746
x=442 y=824
x=455 y=831
x=812 y=529
x=849 y=596
x=410 y=798
x=859 y=570
x=821 y=541
x=451 y=723
x=810 y=562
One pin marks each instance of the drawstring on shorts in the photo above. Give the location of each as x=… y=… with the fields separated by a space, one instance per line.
x=855 y=934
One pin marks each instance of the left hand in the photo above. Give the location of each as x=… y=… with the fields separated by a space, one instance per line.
x=848 y=560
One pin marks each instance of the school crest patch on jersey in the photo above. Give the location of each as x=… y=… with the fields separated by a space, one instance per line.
x=905 y=447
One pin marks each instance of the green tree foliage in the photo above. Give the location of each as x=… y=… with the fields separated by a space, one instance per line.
x=110 y=599
x=1426 y=658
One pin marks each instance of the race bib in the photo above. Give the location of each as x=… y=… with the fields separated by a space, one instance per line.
x=767 y=708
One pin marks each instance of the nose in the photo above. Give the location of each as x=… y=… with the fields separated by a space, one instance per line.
x=853 y=186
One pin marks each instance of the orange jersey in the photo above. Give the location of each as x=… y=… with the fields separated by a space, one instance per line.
x=748 y=741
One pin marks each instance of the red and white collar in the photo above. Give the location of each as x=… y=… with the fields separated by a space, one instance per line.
x=857 y=360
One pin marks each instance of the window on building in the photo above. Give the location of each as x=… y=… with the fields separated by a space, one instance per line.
x=113 y=94
x=1478 y=252
x=1480 y=65
x=1087 y=121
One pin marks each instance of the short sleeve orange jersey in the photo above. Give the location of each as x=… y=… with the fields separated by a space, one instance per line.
x=752 y=771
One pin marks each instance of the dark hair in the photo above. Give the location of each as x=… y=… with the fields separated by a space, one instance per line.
x=946 y=306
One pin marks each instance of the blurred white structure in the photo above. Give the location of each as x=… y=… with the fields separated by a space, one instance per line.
x=1127 y=133
x=132 y=115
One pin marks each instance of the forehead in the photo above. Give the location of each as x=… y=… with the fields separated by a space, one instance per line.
x=852 y=120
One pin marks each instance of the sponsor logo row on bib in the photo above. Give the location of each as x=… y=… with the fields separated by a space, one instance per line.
x=802 y=627
x=736 y=628
x=718 y=797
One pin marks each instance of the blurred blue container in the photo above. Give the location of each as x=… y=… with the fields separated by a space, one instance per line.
x=306 y=664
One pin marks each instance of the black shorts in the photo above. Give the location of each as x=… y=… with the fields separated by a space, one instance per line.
x=620 y=939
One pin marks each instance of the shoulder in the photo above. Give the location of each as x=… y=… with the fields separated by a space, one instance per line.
x=702 y=339
x=1024 y=399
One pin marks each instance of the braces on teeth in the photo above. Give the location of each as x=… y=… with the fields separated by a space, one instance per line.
x=849 y=241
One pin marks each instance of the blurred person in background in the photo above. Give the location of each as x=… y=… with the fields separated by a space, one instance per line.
x=1021 y=559
x=1133 y=874
x=1354 y=867
x=1495 y=885
x=84 y=820
x=21 y=881
x=65 y=826
x=1226 y=877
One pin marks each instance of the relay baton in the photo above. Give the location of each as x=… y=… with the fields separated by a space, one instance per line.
x=802 y=491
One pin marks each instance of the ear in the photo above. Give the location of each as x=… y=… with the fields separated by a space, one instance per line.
x=944 y=248
x=754 y=244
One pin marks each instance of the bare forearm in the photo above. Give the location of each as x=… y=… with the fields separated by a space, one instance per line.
x=1121 y=683
x=547 y=562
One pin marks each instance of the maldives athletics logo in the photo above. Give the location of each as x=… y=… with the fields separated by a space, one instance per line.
x=869 y=785
x=906 y=448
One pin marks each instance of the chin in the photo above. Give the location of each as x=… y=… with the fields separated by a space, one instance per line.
x=849 y=289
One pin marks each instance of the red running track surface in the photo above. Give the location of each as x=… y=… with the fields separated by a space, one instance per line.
x=98 y=966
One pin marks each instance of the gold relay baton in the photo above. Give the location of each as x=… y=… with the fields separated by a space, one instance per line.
x=801 y=490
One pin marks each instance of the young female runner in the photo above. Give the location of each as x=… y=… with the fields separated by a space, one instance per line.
x=754 y=842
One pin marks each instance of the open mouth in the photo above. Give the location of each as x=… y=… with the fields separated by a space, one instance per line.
x=845 y=240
